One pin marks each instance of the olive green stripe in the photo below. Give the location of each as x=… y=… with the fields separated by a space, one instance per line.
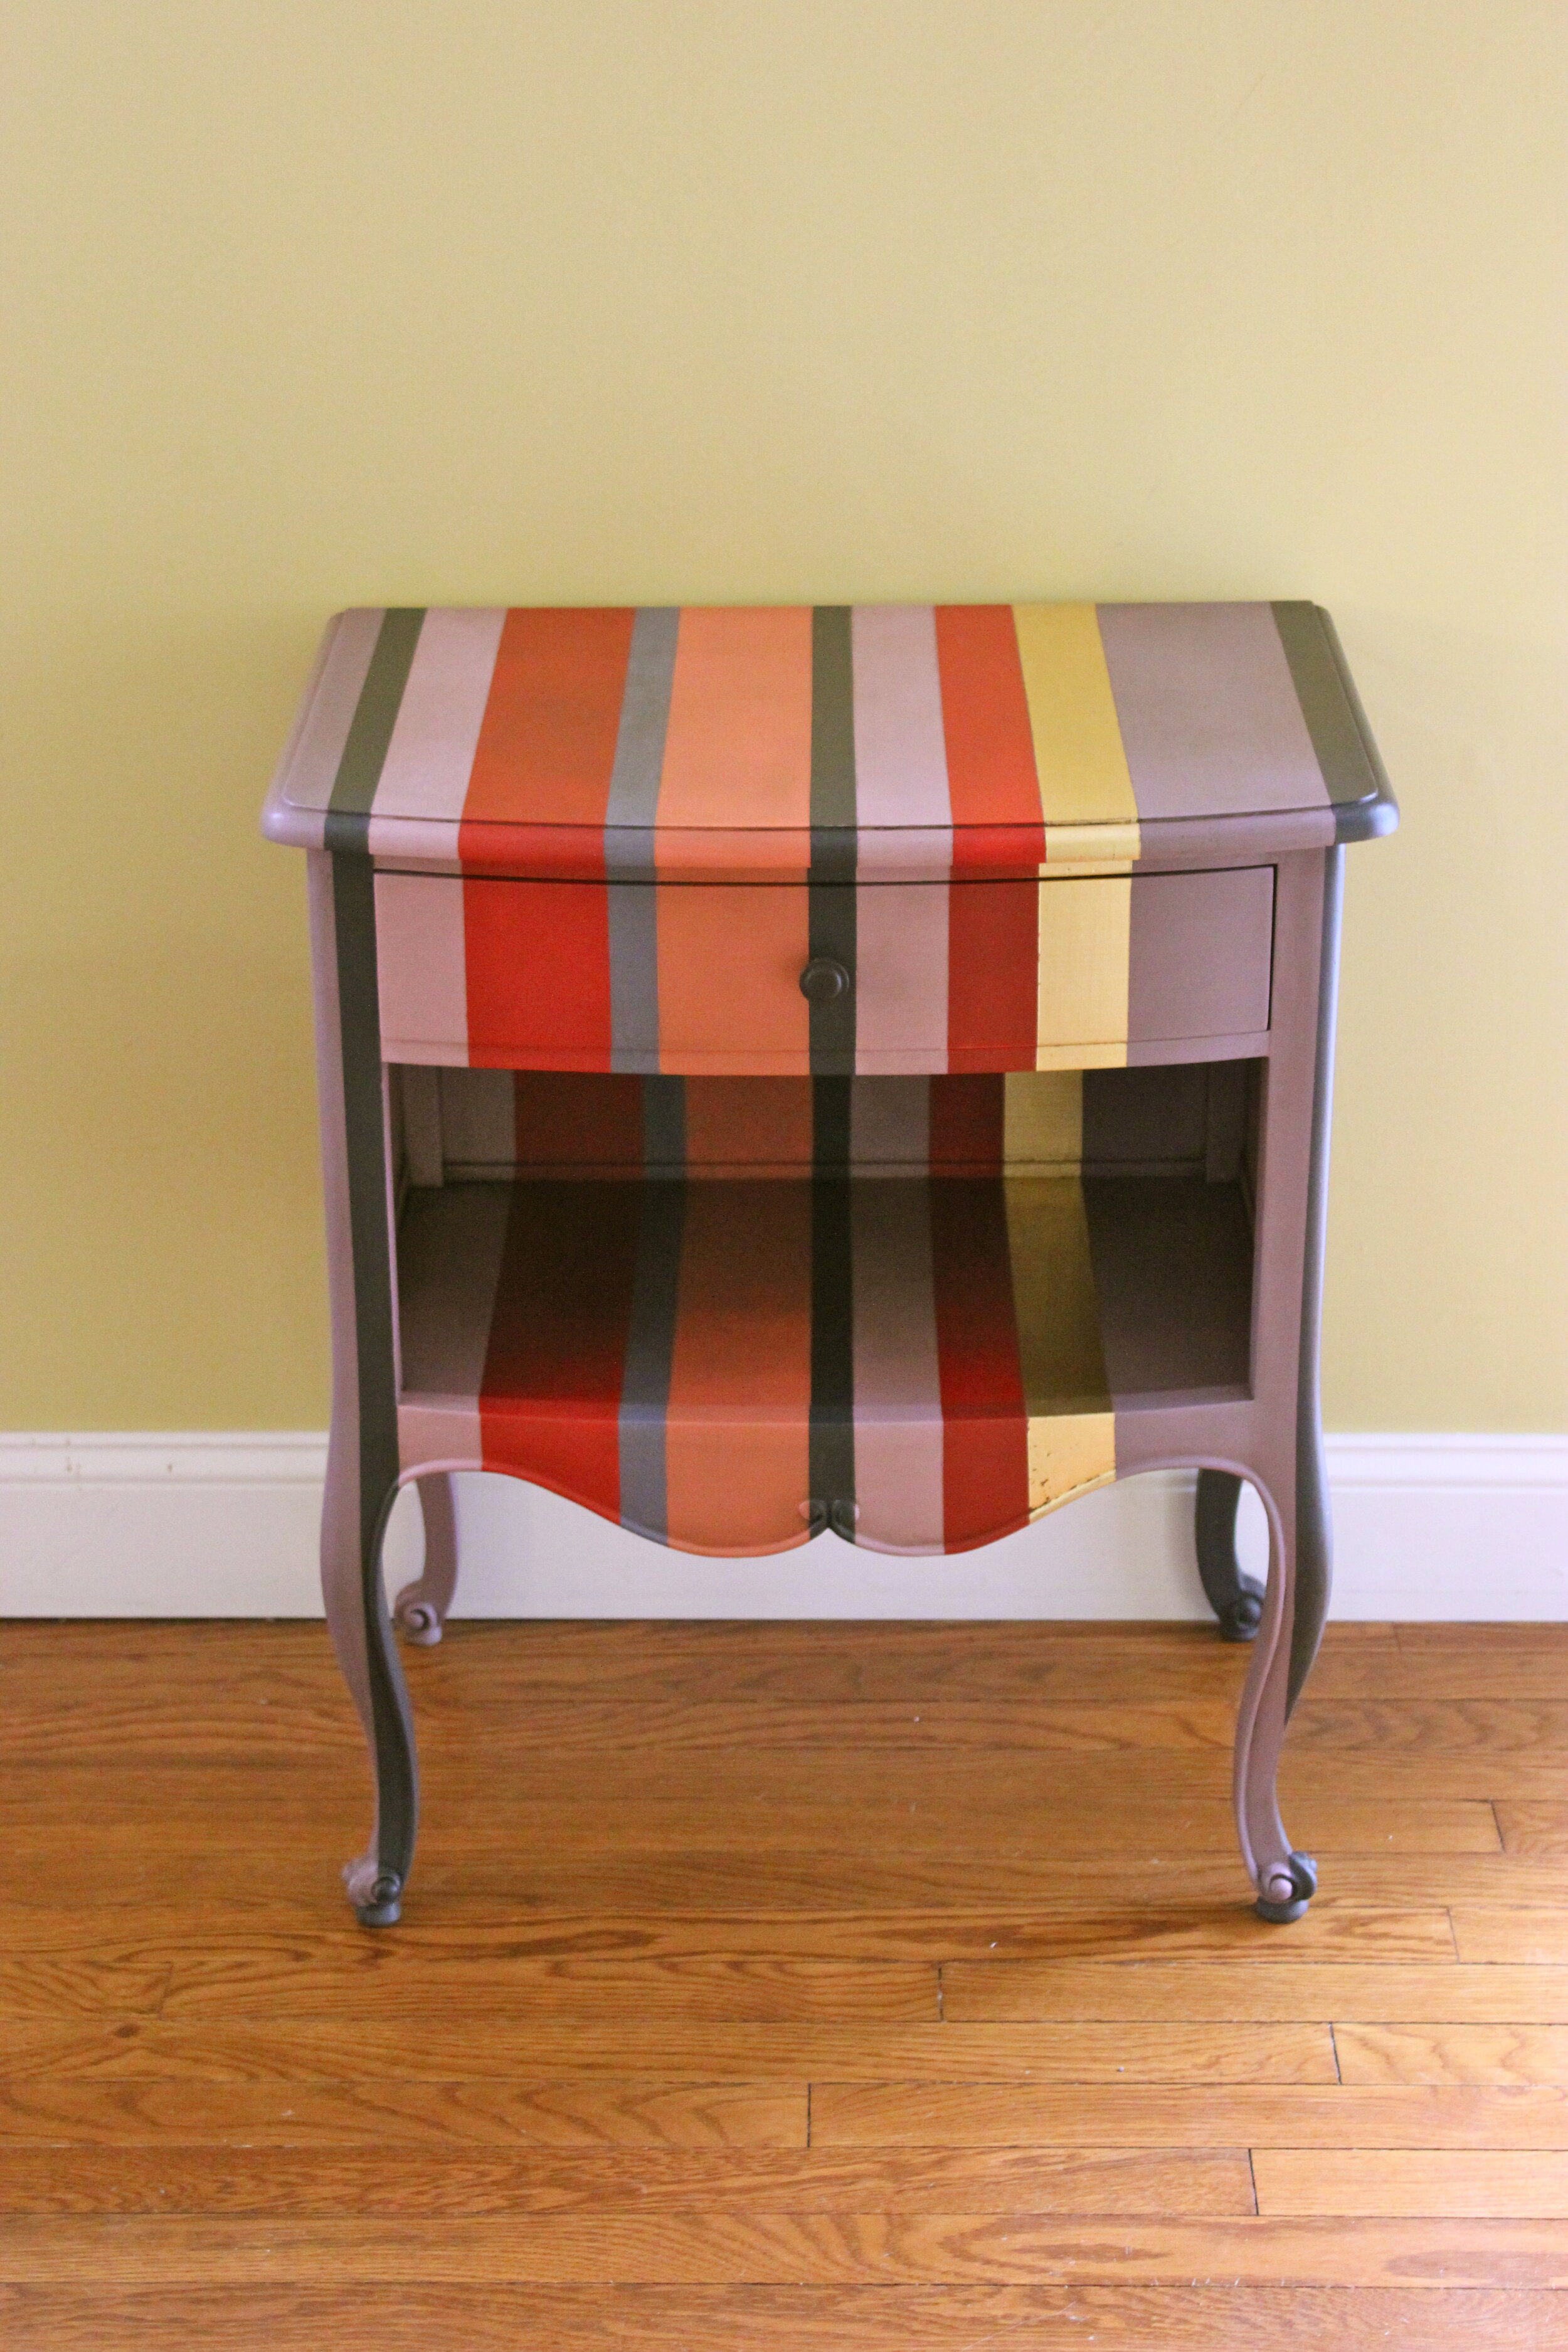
x=1348 y=774
x=375 y=716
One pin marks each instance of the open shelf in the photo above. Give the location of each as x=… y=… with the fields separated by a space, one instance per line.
x=722 y=1363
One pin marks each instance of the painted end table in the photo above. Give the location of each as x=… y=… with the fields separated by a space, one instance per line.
x=857 y=1069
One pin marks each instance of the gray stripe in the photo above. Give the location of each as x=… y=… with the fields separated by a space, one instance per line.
x=650 y=1345
x=664 y=1124
x=634 y=975
x=632 y=807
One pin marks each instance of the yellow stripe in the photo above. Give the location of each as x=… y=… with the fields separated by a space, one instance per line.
x=1042 y=1122
x=1067 y=1456
x=1071 y=1424
x=1086 y=792
x=1085 y=946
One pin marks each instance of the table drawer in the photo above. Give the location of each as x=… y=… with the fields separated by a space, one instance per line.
x=1084 y=970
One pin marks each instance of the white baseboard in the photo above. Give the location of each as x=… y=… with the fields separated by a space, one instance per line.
x=224 y=1525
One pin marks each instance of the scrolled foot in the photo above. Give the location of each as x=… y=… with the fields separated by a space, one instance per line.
x=1240 y=1617
x=375 y=1893
x=1285 y=1889
x=416 y=1617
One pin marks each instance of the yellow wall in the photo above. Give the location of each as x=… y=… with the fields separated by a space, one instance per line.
x=320 y=301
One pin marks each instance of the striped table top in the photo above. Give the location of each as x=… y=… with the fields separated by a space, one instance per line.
x=827 y=744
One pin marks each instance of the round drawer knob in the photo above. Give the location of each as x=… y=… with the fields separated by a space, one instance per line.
x=824 y=979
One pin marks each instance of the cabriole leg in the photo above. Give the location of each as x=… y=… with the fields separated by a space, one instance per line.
x=423 y=1607
x=1286 y=1881
x=1236 y=1598
x=362 y=1455
x=352 y=1532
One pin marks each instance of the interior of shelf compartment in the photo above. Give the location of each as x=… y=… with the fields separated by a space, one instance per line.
x=726 y=1362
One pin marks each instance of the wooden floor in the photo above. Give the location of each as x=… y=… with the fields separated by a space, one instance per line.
x=782 y=1986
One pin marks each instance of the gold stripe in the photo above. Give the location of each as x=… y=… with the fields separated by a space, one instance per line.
x=1085 y=786
x=1071 y=1425
x=1068 y=1457
x=1091 y=848
x=1042 y=1122
x=1085 y=946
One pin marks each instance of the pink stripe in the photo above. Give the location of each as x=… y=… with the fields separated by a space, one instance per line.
x=901 y=984
x=422 y=968
x=425 y=772
x=901 y=757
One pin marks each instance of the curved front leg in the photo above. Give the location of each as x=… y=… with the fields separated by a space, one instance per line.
x=1236 y=1598
x=352 y=1527
x=421 y=1607
x=362 y=1457
x=1286 y=1880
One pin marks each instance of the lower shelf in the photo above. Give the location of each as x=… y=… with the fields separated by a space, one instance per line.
x=727 y=1366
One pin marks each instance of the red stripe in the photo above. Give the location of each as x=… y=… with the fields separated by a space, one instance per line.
x=550 y=1401
x=547 y=742
x=592 y=1120
x=985 y=1441
x=967 y=1123
x=991 y=772
x=537 y=957
x=993 y=986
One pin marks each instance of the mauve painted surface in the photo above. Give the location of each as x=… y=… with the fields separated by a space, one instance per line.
x=1200 y=954
x=1210 y=720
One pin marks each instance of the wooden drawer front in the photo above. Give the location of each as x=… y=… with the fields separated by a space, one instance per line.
x=698 y=978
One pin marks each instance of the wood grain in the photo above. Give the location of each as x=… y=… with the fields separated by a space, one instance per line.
x=1019 y=1991
x=761 y=2248
x=1446 y=2183
x=1512 y=1932
x=1524 y=2054
x=414 y=2317
x=447 y=2047
x=1023 y=2115
x=396 y=2179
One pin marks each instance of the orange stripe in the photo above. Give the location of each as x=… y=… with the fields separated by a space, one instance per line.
x=748 y=1122
x=736 y=1453
x=737 y=751
x=547 y=742
x=730 y=960
x=990 y=746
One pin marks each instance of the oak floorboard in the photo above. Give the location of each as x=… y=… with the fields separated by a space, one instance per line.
x=314 y=1966
x=843 y=1788
x=1442 y=2184
x=1021 y=2114
x=1198 y=1824
x=419 y=2318
x=759 y=2248
x=452 y=2048
x=394 y=2177
x=151 y=1722
x=1023 y=1992
x=573 y=2111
